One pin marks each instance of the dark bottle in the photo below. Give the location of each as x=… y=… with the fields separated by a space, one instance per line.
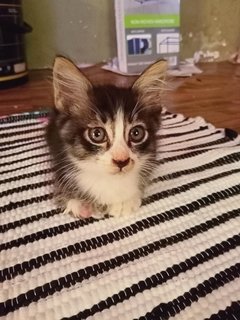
x=13 y=68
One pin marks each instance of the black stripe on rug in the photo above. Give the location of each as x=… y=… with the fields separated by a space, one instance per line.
x=24 y=159
x=21 y=145
x=24 y=116
x=174 y=123
x=18 y=223
x=161 y=277
x=221 y=141
x=170 y=309
x=166 y=113
x=25 y=167
x=170 y=117
x=26 y=176
x=231 y=134
x=188 y=186
x=190 y=139
x=232 y=312
x=23 y=203
x=23 y=151
x=16 y=133
x=179 y=134
x=21 y=125
x=187 y=155
x=21 y=140
x=169 y=126
x=46 y=233
x=71 y=279
x=26 y=187
x=231 y=158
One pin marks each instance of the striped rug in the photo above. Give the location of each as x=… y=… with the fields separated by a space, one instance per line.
x=178 y=258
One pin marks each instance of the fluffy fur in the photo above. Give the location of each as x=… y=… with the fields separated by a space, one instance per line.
x=92 y=177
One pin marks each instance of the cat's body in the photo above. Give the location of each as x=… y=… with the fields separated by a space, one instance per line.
x=103 y=143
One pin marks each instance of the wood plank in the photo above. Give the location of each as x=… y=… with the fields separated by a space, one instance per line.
x=213 y=95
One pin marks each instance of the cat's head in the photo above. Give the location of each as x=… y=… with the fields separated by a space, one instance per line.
x=106 y=129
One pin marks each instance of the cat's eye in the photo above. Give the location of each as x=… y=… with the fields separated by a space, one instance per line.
x=137 y=134
x=97 y=135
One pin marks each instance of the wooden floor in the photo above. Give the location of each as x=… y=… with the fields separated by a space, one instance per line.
x=214 y=95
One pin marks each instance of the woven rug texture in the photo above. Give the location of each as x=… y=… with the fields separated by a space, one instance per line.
x=177 y=258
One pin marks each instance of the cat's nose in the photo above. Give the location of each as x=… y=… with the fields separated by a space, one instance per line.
x=121 y=163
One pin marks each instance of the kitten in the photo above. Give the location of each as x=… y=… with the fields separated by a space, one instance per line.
x=103 y=140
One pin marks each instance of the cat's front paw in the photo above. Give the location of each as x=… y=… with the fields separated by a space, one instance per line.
x=78 y=209
x=125 y=208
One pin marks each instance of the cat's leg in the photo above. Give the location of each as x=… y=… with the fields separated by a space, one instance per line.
x=78 y=208
x=73 y=205
x=127 y=207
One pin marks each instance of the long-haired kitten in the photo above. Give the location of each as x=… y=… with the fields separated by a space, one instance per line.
x=103 y=140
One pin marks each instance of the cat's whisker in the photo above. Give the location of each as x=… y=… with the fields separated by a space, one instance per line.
x=104 y=162
x=156 y=89
x=135 y=108
x=64 y=173
x=149 y=106
x=66 y=181
x=64 y=167
x=148 y=167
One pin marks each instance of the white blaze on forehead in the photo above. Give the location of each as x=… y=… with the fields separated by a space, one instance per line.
x=119 y=150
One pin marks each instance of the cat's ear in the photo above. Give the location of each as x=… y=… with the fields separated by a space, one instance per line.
x=151 y=82
x=70 y=86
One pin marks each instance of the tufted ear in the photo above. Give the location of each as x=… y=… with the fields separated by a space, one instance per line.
x=71 y=87
x=151 y=82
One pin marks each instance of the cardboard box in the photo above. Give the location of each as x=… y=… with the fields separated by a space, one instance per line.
x=147 y=30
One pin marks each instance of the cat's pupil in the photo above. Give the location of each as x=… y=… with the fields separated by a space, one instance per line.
x=97 y=133
x=135 y=132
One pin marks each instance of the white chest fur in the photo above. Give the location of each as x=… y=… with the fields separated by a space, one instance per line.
x=109 y=188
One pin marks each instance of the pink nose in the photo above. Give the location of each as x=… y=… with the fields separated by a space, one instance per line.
x=121 y=163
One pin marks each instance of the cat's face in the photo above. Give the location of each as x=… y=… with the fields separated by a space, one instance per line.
x=107 y=130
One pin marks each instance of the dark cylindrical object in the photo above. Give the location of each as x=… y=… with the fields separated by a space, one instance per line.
x=13 y=68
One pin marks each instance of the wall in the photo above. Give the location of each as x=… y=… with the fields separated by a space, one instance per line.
x=84 y=30
x=211 y=26
x=81 y=29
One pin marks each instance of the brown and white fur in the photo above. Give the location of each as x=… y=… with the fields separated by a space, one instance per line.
x=100 y=164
